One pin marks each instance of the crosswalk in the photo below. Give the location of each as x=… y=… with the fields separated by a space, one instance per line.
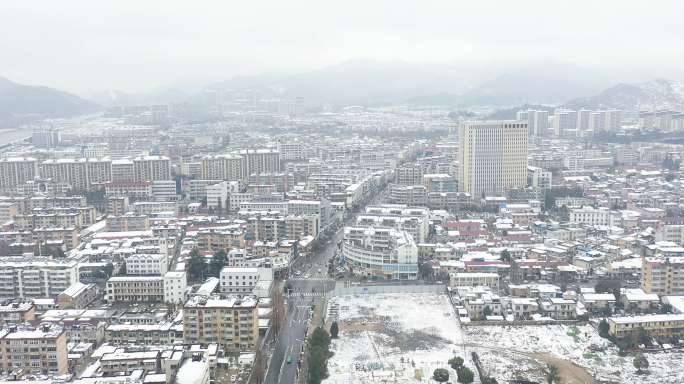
x=305 y=294
x=311 y=279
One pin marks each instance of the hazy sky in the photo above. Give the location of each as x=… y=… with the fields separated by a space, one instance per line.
x=135 y=46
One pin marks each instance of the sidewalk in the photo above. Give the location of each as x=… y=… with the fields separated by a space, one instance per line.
x=316 y=321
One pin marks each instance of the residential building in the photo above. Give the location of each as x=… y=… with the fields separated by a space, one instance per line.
x=31 y=276
x=18 y=312
x=175 y=284
x=663 y=275
x=39 y=350
x=135 y=288
x=142 y=264
x=17 y=170
x=662 y=327
x=77 y=296
x=232 y=322
x=243 y=280
x=127 y=222
x=151 y=168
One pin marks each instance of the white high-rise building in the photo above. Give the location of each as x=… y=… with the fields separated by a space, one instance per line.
x=613 y=120
x=564 y=119
x=530 y=115
x=211 y=101
x=583 y=119
x=541 y=123
x=492 y=156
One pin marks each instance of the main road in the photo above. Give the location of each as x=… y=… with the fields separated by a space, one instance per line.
x=307 y=287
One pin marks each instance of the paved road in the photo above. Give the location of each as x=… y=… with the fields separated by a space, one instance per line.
x=292 y=336
x=310 y=284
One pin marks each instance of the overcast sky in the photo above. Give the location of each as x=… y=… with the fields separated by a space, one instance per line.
x=135 y=46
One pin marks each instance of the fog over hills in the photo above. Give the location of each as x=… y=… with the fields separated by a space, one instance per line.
x=18 y=99
x=655 y=94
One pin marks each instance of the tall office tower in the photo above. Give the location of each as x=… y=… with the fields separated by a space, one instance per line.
x=583 y=119
x=151 y=168
x=492 y=156
x=613 y=120
x=249 y=95
x=564 y=119
x=211 y=101
x=258 y=95
x=17 y=170
x=541 y=123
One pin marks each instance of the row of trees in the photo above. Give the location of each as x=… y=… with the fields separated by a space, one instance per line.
x=319 y=344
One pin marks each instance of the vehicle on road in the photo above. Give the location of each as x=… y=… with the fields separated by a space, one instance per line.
x=233 y=378
x=319 y=270
x=289 y=359
x=298 y=273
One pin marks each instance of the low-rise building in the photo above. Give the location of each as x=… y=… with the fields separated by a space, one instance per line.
x=558 y=308
x=155 y=264
x=34 y=350
x=243 y=280
x=595 y=302
x=78 y=295
x=17 y=313
x=490 y=280
x=662 y=327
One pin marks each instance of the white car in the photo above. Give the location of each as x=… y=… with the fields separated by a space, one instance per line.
x=233 y=378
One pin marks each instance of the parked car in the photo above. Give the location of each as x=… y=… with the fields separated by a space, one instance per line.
x=233 y=378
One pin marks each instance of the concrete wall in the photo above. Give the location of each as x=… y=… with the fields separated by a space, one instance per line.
x=386 y=289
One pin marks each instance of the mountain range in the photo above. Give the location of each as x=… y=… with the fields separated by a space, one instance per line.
x=364 y=81
x=656 y=94
x=18 y=99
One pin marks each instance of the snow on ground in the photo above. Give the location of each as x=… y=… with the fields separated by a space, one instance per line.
x=421 y=328
x=497 y=344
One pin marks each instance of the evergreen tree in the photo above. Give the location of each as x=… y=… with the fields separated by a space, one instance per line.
x=334 y=329
x=197 y=263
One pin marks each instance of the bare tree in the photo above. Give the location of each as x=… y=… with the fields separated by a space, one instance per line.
x=278 y=311
x=259 y=369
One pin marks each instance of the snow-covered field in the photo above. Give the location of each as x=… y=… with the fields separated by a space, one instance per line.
x=496 y=346
x=422 y=328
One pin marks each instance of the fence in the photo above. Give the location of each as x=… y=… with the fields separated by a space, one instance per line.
x=386 y=289
x=524 y=322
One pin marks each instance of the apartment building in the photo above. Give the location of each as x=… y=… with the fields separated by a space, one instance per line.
x=224 y=167
x=33 y=221
x=243 y=280
x=558 y=308
x=320 y=206
x=175 y=285
x=151 y=168
x=232 y=322
x=594 y=302
x=382 y=252
x=413 y=220
x=72 y=171
x=39 y=350
x=492 y=156
x=142 y=264
x=77 y=296
x=595 y=216
x=127 y=222
x=120 y=362
x=410 y=174
x=214 y=239
x=663 y=275
x=120 y=188
x=17 y=312
x=260 y=160
x=661 y=327
x=69 y=235
x=301 y=225
x=8 y=210
x=155 y=207
x=123 y=171
x=17 y=170
x=164 y=333
x=117 y=205
x=135 y=288
x=30 y=277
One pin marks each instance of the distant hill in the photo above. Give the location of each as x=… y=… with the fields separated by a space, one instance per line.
x=656 y=94
x=362 y=81
x=109 y=98
x=17 y=99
